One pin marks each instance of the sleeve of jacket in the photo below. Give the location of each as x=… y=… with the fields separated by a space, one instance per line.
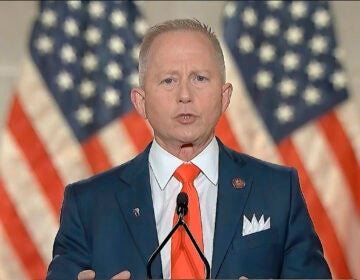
x=70 y=251
x=303 y=251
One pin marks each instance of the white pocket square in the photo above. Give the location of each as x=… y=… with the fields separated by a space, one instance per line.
x=255 y=225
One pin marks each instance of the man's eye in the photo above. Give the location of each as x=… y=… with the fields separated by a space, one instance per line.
x=200 y=78
x=168 y=81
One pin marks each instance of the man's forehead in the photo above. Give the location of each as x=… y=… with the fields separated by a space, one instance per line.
x=179 y=33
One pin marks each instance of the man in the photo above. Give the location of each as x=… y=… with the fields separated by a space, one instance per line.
x=254 y=220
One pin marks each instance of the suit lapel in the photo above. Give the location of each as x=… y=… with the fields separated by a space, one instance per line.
x=230 y=204
x=137 y=207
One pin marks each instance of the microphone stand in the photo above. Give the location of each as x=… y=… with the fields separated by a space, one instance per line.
x=180 y=222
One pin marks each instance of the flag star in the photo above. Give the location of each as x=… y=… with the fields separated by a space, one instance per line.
x=93 y=35
x=230 y=9
x=298 y=9
x=135 y=52
x=249 y=17
x=312 y=95
x=67 y=54
x=245 y=44
x=270 y=26
x=111 y=97
x=90 y=62
x=263 y=79
x=48 y=18
x=118 y=18
x=116 y=45
x=321 y=18
x=338 y=79
x=284 y=113
x=315 y=70
x=84 y=115
x=87 y=89
x=266 y=52
x=318 y=44
x=44 y=44
x=113 y=71
x=290 y=61
x=71 y=27
x=140 y=27
x=64 y=81
x=133 y=79
x=294 y=35
x=274 y=4
x=96 y=9
x=287 y=87
x=74 y=4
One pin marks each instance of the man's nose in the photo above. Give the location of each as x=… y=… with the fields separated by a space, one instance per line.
x=185 y=93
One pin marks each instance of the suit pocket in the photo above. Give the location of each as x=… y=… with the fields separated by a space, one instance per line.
x=251 y=241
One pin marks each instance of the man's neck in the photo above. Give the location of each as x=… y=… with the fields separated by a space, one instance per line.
x=185 y=152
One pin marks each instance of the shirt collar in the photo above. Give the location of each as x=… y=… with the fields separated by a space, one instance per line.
x=164 y=164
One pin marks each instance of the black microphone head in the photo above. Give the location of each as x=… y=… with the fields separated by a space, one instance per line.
x=182 y=201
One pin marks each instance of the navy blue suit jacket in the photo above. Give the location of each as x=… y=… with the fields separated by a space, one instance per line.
x=100 y=231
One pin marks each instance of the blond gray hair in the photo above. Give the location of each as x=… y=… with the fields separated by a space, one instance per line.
x=178 y=25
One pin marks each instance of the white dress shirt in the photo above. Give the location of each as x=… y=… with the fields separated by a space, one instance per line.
x=165 y=188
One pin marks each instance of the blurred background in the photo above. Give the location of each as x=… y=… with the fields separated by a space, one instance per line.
x=17 y=18
x=39 y=157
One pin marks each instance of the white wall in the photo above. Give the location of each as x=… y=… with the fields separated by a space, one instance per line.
x=16 y=21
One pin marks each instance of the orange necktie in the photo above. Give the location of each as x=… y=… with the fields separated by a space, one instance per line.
x=185 y=261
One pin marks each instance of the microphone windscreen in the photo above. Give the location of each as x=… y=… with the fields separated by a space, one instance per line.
x=182 y=201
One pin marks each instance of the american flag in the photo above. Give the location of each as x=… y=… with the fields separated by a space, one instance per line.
x=71 y=117
x=292 y=106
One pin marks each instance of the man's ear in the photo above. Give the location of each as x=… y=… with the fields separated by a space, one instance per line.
x=226 y=95
x=138 y=100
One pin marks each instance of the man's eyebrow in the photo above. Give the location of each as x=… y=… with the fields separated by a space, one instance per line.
x=202 y=71
x=170 y=72
x=192 y=73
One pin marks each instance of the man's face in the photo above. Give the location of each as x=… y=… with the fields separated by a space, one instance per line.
x=184 y=94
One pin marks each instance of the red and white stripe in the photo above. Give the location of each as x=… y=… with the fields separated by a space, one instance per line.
x=7 y=256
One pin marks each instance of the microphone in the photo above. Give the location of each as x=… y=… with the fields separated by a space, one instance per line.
x=182 y=201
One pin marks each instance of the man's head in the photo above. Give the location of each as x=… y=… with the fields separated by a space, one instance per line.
x=177 y=25
x=182 y=92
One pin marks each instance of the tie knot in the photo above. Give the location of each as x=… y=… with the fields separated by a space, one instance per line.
x=186 y=173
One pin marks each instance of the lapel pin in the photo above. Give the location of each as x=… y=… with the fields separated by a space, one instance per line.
x=238 y=183
x=136 y=212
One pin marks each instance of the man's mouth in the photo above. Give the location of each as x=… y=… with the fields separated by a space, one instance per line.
x=185 y=118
